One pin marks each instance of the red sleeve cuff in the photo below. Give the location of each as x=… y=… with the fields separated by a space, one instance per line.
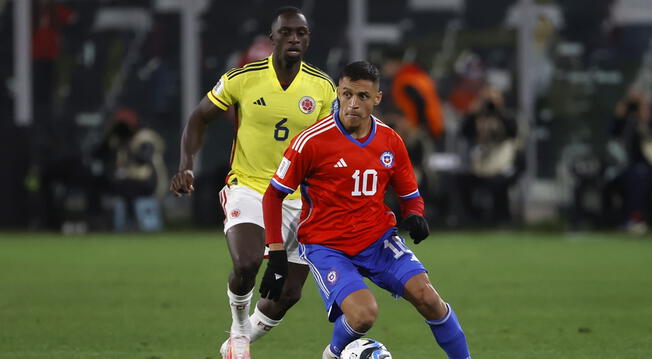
x=412 y=206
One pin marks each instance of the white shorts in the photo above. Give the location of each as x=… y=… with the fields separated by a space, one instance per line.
x=242 y=204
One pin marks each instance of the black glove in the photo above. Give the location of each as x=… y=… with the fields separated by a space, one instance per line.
x=275 y=274
x=417 y=226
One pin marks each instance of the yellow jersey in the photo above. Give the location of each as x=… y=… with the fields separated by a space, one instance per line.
x=268 y=117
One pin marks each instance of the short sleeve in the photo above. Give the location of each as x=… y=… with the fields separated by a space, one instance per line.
x=225 y=93
x=329 y=96
x=293 y=167
x=403 y=179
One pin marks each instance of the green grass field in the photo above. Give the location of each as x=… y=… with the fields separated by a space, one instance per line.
x=518 y=295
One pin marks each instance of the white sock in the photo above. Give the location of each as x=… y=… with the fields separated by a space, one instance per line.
x=261 y=324
x=240 y=312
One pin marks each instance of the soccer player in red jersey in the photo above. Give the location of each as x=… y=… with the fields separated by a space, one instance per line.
x=344 y=164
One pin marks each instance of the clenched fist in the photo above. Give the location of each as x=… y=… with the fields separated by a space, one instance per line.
x=181 y=183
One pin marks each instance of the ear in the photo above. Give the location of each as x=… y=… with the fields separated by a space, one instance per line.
x=379 y=97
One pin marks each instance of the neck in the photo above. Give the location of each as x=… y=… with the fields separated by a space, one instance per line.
x=285 y=71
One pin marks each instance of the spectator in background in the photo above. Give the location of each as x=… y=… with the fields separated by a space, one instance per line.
x=135 y=171
x=259 y=49
x=494 y=159
x=632 y=126
x=471 y=78
x=414 y=93
x=413 y=109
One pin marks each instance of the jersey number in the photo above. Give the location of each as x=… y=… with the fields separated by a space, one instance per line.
x=398 y=247
x=281 y=132
x=369 y=183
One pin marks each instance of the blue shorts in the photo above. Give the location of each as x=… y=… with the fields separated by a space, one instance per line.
x=388 y=262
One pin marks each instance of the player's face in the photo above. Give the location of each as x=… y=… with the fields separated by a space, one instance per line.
x=357 y=100
x=290 y=37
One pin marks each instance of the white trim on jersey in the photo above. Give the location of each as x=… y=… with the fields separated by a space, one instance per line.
x=411 y=194
x=381 y=123
x=277 y=184
x=310 y=130
x=313 y=135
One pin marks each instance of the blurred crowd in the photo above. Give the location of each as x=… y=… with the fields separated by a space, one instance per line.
x=466 y=164
x=107 y=109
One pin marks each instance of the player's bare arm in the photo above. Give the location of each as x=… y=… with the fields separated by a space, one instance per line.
x=191 y=141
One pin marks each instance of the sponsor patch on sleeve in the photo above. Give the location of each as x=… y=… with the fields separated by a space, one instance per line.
x=283 y=168
x=217 y=90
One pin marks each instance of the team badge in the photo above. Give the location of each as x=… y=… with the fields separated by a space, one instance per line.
x=332 y=276
x=387 y=159
x=235 y=213
x=307 y=104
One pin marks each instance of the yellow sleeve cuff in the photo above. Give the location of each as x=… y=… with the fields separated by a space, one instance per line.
x=216 y=101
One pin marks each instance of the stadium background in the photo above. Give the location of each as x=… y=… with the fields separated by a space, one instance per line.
x=535 y=288
x=581 y=58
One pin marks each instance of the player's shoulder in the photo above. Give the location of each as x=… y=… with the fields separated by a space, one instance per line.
x=387 y=134
x=319 y=76
x=248 y=70
x=314 y=133
x=385 y=130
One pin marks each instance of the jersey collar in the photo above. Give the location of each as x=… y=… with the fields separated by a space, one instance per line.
x=340 y=126
x=272 y=74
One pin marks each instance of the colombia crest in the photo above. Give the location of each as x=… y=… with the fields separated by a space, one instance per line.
x=387 y=159
x=307 y=104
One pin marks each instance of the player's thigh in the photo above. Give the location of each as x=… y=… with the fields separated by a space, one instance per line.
x=392 y=265
x=243 y=225
x=290 y=220
x=246 y=243
x=335 y=275
x=243 y=205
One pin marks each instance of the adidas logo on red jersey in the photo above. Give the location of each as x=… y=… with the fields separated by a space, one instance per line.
x=341 y=163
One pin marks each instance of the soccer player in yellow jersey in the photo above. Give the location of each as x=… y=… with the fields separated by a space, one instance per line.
x=275 y=99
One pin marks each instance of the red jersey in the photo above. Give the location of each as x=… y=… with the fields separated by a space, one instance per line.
x=343 y=183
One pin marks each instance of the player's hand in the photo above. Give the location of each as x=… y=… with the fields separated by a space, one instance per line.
x=275 y=274
x=417 y=226
x=181 y=183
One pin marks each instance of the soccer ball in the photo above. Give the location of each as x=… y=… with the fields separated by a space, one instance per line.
x=365 y=348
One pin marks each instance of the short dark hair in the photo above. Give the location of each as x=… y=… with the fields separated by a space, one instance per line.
x=286 y=10
x=361 y=70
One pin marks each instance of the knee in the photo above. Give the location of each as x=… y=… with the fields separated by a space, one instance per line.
x=362 y=318
x=246 y=267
